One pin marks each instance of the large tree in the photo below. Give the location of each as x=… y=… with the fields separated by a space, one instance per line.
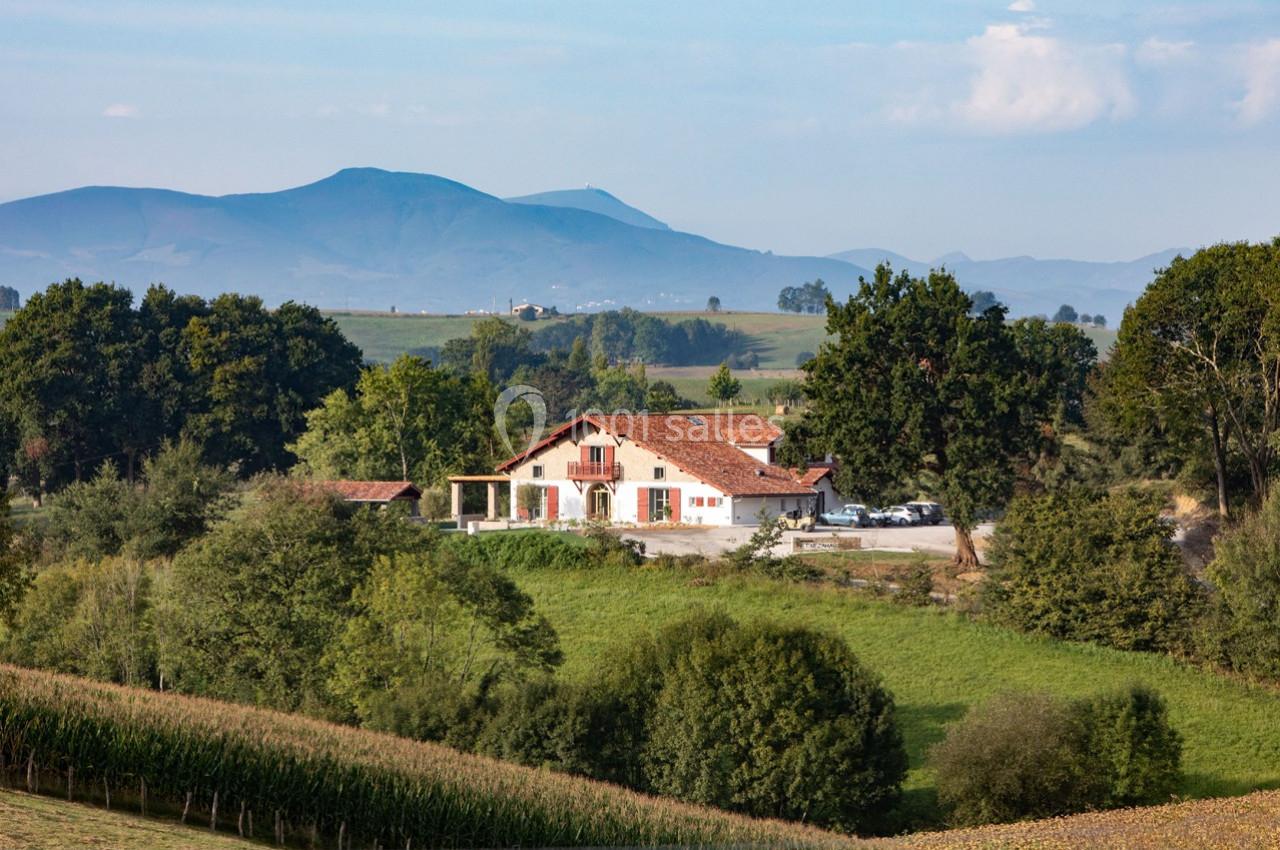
x=70 y=382
x=1200 y=351
x=258 y=373
x=405 y=421
x=913 y=385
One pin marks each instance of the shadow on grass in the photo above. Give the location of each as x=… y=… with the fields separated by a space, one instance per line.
x=925 y=725
x=1206 y=785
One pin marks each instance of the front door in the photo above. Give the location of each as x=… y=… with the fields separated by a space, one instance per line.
x=601 y=504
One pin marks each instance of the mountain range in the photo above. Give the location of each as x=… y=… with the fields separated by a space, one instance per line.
x=372 y=239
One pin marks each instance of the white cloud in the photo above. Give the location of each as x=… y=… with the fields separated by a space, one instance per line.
x=1022 y=6
x=1261 y=82
x=1036 y=83
x=120 y=110
x=1156 y=51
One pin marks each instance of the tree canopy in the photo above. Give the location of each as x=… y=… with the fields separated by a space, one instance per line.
x=914 y=385
x=806 y=298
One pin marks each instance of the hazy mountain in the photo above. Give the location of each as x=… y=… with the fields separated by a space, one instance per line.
x=1028 y=285
x=593 y=200
x=372 y=239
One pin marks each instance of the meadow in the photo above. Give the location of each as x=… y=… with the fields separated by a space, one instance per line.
x=936 y=663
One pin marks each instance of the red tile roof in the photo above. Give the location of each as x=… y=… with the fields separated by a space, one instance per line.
x=706 y=446
x=372 y=491
x=814 y=474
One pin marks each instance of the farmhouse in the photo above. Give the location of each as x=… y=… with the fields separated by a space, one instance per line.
x=380 y=493
x=701 y=469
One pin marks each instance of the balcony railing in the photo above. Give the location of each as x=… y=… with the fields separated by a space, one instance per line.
x=594 y=471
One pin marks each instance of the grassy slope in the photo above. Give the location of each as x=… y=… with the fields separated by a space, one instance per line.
x=936 y=664
x=41 y=823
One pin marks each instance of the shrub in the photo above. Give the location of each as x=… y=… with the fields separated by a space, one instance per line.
x=1242 y=630
x=777 y=722
x=436 y=503
x=1078 y=566
x=1036 y=756
x=1138 y=753
x=1018 y=756
x=525 y=550
x=916 y=587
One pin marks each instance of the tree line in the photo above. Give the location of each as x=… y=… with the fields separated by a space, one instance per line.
x=89 y=379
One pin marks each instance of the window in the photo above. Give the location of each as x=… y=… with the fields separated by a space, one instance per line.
x=659 y=504
x=659 y=473
x=713 y=501
x=698 y=501
x=537 y=470
x=595 y=454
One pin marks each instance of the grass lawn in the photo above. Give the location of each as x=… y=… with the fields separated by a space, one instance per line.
x=22 y=513
x=936 y=663
x=42 y=823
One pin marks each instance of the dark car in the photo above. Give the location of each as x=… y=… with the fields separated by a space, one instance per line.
x=930 y=512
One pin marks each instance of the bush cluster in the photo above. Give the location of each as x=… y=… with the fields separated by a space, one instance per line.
x=1036 y=756
x=760 y=719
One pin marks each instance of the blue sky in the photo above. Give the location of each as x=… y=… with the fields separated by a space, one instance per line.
x=1098 y=130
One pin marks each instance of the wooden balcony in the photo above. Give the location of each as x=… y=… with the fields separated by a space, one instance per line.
x=594 y=471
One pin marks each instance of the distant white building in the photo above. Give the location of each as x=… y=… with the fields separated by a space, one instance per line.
x=699 y=469
x=538 y=309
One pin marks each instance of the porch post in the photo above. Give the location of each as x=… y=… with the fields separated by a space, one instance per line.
x=493 y=500
x=455 y=501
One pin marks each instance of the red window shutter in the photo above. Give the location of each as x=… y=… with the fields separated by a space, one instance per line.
x=586 y=454
x=642 y=507
x=608 y=456
x=553 y=503
x=673 y=496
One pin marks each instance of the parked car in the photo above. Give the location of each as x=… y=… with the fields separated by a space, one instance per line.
x=853 y=516
x=899 y=515
x=797 y=521
x=930 y=512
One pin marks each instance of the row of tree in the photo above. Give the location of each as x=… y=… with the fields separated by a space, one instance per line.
x=90 y=378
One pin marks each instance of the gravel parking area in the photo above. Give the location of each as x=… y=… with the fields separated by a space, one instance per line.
x=939 y=539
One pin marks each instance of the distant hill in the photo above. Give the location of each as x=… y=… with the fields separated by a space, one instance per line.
x=367 y=238
x=1029 y=286
x=592 y=200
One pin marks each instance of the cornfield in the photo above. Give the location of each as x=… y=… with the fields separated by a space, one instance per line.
x=293 y=780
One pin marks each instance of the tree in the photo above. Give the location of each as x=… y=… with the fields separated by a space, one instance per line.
x=1242 y=631
x=249 y=609
x=432 y=634
x=406 y=421
x=713 y=304
x=1101 y=568
x=1139 y=755
x=88 y=618
x=983 y=300
x=807 y=298
x=1086 y=319
x=258 y=375
x=1199 y=353
x=777 y=722
x=527 y=313
x=662 y=397
x=16 y=557
x=1066 y=313
x=913 y=386
x=9 y=299
x=71 y=380
x=1099 y=320
x=803 y=358
x=723 y=387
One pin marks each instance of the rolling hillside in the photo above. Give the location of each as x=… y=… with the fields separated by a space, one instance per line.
x=367 y=238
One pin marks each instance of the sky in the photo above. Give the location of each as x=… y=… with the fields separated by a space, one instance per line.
x=1093 y=130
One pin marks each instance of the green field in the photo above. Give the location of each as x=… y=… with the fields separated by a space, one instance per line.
x=777 y=338
x=937 y=664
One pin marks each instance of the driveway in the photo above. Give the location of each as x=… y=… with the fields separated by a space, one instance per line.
x=935 y=539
